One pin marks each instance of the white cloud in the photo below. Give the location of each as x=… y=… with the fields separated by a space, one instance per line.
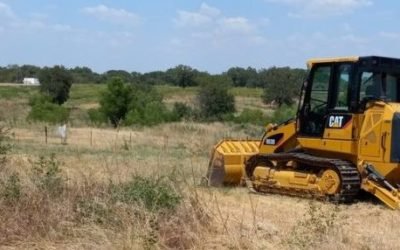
x=390 y=35
x=118 y=16
x=187 y=19
x=322 y=8
x=238 y=25
x=6 y=11
x=209 y=11
x=205 y=15
x=12 y=23
x=209 y=24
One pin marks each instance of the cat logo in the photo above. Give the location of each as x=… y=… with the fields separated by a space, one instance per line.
x=336 y=121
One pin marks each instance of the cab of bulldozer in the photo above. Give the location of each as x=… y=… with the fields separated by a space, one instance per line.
x=338 y=88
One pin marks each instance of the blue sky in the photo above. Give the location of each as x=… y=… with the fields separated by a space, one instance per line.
x=208 y=35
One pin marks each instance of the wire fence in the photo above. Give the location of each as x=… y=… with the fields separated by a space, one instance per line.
x=91 y=137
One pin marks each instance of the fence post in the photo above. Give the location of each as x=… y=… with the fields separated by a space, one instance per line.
x=91 y=137
x=45 y=133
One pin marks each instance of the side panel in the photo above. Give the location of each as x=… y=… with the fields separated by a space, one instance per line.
x=279 y=139
x=379 y=142
x=370 y=136
x=328 y=146
x=339 y=126
x=339 y=139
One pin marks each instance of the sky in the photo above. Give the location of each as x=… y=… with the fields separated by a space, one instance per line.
x=213 y=35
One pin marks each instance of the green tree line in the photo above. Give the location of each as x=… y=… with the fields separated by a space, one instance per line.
x=181 y=75
x=131 y=99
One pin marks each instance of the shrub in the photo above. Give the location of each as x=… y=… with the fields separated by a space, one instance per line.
x=11 y=189
x=313 y=229
x=96 y=117
x=154 y=194
x=253 y=116
x=4 y=145
x=215 y=101
x=283 y=114
x=115 y=101
x=131 y=104
x=47 y=175
x=93 y=210
x=46 y=111
x=152 y=113
x=182 y=111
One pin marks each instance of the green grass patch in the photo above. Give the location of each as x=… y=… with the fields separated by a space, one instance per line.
x=17 y=92
x=247 y=92
x=85 y=93
x=154 y=194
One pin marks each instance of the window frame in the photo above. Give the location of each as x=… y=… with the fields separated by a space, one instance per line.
x=311 y=81
x=307 y=98
x=335 y=89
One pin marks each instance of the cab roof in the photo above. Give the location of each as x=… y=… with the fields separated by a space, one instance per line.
x=365 y=60
x=313 y=61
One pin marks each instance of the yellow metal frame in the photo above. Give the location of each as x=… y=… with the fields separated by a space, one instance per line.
x=313 y=61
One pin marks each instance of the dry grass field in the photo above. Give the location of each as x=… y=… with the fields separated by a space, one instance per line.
x=69 y=205
x=140 y=188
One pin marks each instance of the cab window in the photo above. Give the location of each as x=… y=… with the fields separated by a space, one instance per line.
x=378 y=85
x=316 y=105
x=341 y=101
x=319 y=91
x=391 y=88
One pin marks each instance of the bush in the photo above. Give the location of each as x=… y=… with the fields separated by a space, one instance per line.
x=149 y=114
x=47 y=175
x=154 y=194
x=283 y=114
x=252 y=116
x=131 y=104
x=94 y=210
x=46 y=111
x=4 y=145
x=182 y=111
x=115 y=101
x=312 y=230
x=215 y=102
x=11 y=189
x=96 y=117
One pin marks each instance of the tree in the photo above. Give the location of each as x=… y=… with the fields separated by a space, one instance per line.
x=243 y=77
x=281 y=85
x=154 y=78
x=182 y=76
x=111 y=74
x=84 y=75
x=115 y=101
x=146 y=107
x=131 y=104
x=56 y=83
x=214 y=99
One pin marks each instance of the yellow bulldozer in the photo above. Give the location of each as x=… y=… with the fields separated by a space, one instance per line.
x=345 y=137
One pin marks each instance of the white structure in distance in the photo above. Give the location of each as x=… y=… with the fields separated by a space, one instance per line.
x=31 y=81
